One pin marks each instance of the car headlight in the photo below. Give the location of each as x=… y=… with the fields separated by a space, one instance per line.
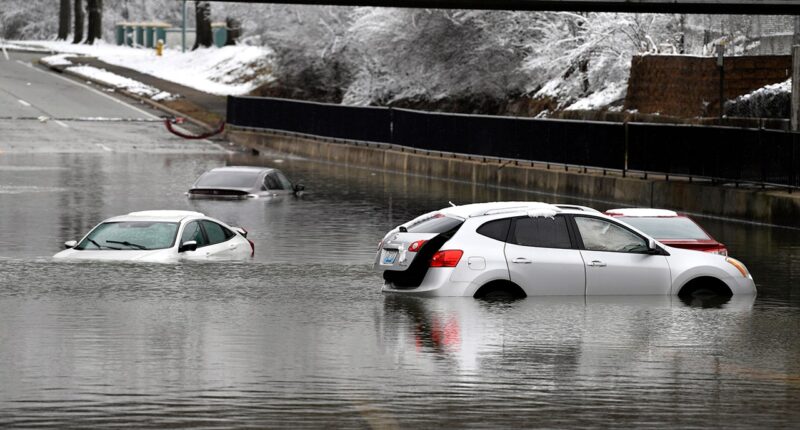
x=739 y=266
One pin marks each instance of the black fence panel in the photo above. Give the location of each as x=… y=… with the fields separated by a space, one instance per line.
x=780 y=157
x=344 y=122
x=722 y=153
x=565 y=142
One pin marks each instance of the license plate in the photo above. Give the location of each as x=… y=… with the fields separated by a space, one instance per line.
x=388 y=256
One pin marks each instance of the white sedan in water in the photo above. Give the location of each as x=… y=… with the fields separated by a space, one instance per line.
x=160 y=236
x=536 y=249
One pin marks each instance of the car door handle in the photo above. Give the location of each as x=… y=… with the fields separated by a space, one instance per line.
x=520 y=260
x=596 y=263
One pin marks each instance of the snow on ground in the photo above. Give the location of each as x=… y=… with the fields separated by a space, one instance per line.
x=774 y=89
x=230 y=70
x=613 y=93
x=57 y=60
x=121 y=82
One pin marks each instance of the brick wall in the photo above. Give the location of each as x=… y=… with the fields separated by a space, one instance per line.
x=689 y=86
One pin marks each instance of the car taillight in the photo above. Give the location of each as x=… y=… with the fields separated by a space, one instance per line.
x=448 y=258
x=414 y=247
x=252 y=248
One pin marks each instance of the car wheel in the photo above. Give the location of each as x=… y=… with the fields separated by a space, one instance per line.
x=500 y=291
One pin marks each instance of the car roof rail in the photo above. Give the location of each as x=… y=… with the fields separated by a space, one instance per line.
x=520 y=208
x=578 y=208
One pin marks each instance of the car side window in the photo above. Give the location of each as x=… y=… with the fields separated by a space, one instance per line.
x=284 y=181
x=193 y=232
x=603 y=235
x=497 y=229
x=541 y=232
x=216 y=233
x=272 y=182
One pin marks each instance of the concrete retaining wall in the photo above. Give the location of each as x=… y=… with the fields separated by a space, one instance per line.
x=771 y=207
x=688 y=87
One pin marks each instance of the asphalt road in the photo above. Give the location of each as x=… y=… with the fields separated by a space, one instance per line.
x=42 y=111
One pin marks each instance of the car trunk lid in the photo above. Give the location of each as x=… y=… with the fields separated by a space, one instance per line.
x=395 y=251
x=219 y=193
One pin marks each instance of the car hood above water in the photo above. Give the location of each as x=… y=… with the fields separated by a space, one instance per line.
x=165 y=255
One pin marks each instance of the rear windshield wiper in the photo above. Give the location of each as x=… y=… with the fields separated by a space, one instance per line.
x=126 y=243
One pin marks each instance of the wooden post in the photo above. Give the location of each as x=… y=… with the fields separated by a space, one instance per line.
x=795 y=88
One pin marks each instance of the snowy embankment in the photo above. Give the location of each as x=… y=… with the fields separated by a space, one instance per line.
x=231 y=70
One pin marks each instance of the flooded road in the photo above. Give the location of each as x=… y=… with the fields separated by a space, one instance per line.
x=302 y=337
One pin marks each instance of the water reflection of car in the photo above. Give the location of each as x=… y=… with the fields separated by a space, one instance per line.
x=160 y=236
x=558 y=334
x=670 y=228
x=242 y=182
x=527 y=248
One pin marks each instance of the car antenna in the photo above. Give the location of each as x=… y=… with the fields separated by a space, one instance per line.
x=452 y=204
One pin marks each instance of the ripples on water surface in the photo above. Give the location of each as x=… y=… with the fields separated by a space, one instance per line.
x=302 y=337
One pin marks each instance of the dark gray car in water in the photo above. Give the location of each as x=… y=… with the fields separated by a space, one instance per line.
x=243 y=182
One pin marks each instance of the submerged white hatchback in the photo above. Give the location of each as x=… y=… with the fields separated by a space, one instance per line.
x=160 y=236
x=537 y=249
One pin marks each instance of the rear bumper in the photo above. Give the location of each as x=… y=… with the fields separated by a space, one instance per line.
x=437 y=283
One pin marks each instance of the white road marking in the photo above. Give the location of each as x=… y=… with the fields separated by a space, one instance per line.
x=105 y=148
x=24 y=103
x=61 y=124
x=148 y=114
x=29 y=65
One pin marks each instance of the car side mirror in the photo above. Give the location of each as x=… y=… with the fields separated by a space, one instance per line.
x=189 y=245
x=70 y=244
x=652 y=248
x=298 y=188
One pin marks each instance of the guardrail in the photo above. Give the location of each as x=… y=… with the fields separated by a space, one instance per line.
x=720 y=154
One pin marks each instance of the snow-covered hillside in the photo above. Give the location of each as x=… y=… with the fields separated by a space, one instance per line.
x=231 y=70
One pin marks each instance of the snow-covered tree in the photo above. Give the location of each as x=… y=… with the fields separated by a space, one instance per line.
x=27 y=19
x=309 y=45
x=433 y=54
x=581 y=54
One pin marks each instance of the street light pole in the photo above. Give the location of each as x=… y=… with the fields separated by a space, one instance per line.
x=183 y=27
x=721 y=66
x=796 y=88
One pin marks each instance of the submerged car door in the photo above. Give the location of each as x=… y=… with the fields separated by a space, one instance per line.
x=542 y=259
x=192 y=231
x=617 y=260
x=220 y=244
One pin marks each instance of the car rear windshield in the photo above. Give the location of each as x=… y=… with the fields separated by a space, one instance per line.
x=667 y=227
x=228 y=180
x=437 y=224
x=130 y=236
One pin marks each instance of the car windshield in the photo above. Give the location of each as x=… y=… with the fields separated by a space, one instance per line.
x=130 y=235
x=228 y=179
x=437 y=224
x=667 y=227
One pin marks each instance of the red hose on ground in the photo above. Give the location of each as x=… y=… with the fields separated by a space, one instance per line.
x=169 y=121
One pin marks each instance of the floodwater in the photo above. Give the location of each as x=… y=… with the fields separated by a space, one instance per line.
x=302 y=336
